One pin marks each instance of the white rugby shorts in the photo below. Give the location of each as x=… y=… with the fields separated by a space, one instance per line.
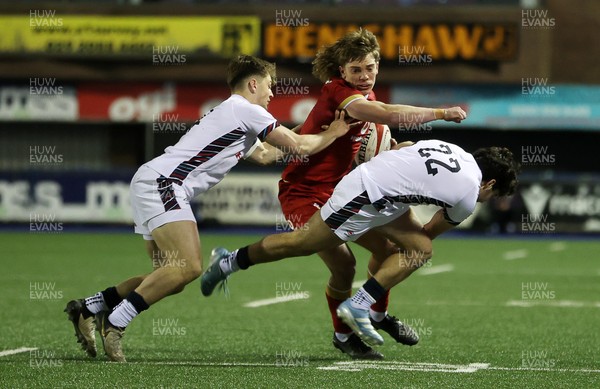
x=156 y=200
x=350 y=213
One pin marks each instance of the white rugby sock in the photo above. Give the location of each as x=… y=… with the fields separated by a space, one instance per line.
x=362 y=300
x=229 y=265
x=123 y=314
x=377 y=316
x=96 y=303
x=342 y=337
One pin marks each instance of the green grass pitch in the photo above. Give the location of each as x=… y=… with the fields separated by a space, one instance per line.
x=491 y=313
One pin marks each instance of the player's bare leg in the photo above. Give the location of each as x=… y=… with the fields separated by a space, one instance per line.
x=158 y=258
x=181 y=241
x=381 y=248
x=341 y=263
x=315 y=236
x=406 y=232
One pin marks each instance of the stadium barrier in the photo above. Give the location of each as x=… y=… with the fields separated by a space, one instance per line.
x=560 y=204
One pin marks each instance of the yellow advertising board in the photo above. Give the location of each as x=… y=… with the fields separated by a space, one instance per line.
x=426 y=42
x=44 y=31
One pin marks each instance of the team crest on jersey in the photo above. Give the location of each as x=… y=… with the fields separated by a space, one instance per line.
x=238 y=155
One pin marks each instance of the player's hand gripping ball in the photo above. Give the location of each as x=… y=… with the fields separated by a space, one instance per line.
x=377 y=139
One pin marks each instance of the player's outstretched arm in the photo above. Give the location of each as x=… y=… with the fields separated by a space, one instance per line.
x=397 y=114
x=265 y=154
x=309 y=144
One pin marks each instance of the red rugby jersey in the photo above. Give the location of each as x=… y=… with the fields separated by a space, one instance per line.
x=331 y=164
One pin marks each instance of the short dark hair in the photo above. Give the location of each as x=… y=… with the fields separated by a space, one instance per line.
x=355 y=45
x=246 y=65
x=498 y=163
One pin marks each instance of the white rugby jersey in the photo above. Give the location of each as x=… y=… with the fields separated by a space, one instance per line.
x=214 y=145
x=428 y=172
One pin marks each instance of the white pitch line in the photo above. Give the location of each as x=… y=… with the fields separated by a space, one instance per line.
x=277 y=300
x=515 y=254
x=361 y=365
x=436 y=367
x=17 y=351
x=406 y=366
x=564 y=370
x=557 y=246
x=436 y=269
x=553 y=303
x=206 y=364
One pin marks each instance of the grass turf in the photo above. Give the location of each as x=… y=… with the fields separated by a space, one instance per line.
x=464 y=316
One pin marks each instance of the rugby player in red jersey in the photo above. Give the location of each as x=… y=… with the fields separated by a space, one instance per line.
x=349 y=69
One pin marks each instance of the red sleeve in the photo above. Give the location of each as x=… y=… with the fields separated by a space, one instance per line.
x=343 y=94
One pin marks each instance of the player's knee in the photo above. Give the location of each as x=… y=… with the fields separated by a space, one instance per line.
x=425 y=252
x=383 y=252
x=422 y=247
x=417 y=255
x=343 y=270
x=348 y=272
x=192 y=271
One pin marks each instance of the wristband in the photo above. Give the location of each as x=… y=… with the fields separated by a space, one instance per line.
x=439 y=113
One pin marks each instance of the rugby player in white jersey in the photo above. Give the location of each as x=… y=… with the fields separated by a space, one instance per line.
x=377 y=197
x=162 y=189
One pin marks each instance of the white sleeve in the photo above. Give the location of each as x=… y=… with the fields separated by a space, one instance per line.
x=462 y=210
x=256 y=144
x=256 y=120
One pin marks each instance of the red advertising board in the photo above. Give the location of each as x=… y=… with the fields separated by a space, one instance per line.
x=149 y=102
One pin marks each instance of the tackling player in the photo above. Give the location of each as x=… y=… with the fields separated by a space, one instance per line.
x=349 y=69
x=162 y=189
x=377 y=197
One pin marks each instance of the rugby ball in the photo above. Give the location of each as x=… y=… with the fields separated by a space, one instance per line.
x=377 y=139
